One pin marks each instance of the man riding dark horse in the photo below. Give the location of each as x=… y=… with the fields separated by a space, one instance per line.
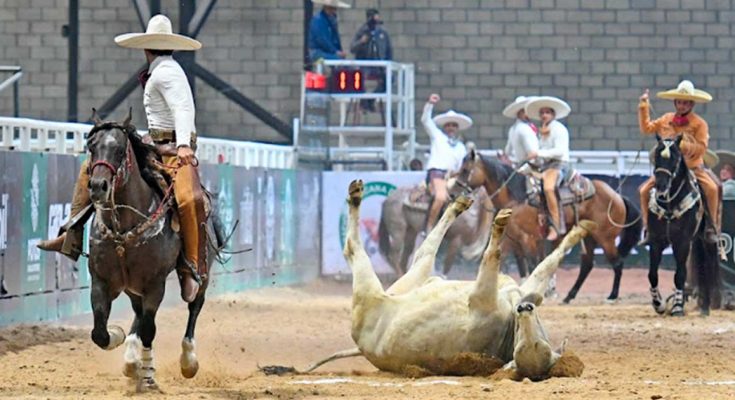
x=695 y=139
x=169 y=106
x=553 y=152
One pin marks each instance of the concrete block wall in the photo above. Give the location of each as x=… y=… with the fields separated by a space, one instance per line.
x=479 y=54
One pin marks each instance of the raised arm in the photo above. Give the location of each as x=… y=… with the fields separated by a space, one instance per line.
x=429 y=125
x=647 y=126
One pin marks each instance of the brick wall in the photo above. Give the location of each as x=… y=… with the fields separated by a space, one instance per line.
x=479 y=54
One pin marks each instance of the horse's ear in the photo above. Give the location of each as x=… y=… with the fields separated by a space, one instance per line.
x=678 y=140
x=658 y=137
x=95 y=118
x=129 y=118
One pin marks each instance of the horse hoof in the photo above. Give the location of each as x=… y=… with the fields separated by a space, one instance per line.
x=117 y=336
x=188 y=360
x=147 y=385
x=704 y=312
x=567 y=300
x=130 y=370
x=191 y=370
x=677 y=312
x=611 y=300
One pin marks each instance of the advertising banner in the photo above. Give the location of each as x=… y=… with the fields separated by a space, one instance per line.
x=727 y=268
x=378 y=185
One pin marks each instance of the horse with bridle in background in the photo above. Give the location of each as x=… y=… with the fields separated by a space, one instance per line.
x=676 y=218
x=614 y=215
x=134 y=246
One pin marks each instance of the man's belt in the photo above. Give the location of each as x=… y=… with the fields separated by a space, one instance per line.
x=160 y=135
x=165 y=136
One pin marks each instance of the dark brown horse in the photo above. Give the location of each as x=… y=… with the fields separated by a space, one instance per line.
x=133 y=248
x=606 y=208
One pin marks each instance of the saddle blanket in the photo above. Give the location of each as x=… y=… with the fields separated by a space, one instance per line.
x=574 y=189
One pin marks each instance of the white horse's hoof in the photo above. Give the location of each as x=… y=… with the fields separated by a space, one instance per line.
x=133 y=346
x=117 y=336
x=188 y=360
x=147 y=385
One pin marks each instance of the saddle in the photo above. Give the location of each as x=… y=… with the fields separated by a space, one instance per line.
x=419 y=198
x=573 y=188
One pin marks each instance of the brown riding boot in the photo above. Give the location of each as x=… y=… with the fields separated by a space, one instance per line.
x=192 y=217
x=54 y=244
x=80 y=200
x=189 y=285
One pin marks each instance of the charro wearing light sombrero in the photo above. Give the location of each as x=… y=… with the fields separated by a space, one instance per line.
x=446 y=153
x=522 y=138
x=694 y=145
x=169 y=106
x=553 y=151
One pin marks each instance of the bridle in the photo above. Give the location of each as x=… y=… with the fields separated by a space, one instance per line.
x=665 y=196
x=121 y=174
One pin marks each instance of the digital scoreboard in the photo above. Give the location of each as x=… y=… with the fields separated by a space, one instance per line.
x=347 y=80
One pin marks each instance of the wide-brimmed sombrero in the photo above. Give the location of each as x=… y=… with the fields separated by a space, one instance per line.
x=725 y=157
x=685 y=91
x=560 y=107
x=710 y=158
x=511 y=111
x=461 y=120
x=332 y=3
x=158 y=36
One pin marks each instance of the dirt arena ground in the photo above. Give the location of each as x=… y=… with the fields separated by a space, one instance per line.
x=628 y=351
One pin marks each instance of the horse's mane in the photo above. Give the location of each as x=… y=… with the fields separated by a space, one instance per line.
x=501 y=172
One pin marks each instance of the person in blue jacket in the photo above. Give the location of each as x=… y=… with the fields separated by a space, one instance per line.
x=324 y=40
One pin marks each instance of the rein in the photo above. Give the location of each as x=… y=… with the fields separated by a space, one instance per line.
x=139 y=234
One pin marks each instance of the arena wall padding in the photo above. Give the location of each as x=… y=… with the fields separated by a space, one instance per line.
x=39 y=286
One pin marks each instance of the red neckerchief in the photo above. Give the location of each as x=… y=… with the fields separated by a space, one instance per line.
x=143 y=77
x=680 y=120
x=533 y=126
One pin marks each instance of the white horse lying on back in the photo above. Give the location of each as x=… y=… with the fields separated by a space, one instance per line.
x=433 y=324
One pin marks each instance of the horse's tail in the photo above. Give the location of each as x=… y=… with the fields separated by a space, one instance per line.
x=706 y=268
x=633 y=225
x=383 y=235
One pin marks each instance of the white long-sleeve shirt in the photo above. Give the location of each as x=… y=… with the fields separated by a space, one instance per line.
x=521 y=141
x=169 y=104
x=444 y=155
x=555 y=145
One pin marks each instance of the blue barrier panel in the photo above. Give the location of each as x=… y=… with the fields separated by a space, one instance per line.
x=14 y=253
x=308 y=198
x=727 y=268
x=278 y=212
x=245 y=212
x=60 y=190
x=4 y=201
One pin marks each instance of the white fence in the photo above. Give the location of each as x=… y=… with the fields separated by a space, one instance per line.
x=594 y=162
x=69 y=138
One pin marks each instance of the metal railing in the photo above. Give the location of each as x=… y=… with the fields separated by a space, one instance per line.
x=25 y=134
x=398 y=114
x=588 y=162
x=13 y=80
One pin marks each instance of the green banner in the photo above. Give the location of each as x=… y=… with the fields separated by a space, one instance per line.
x=34 y=222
